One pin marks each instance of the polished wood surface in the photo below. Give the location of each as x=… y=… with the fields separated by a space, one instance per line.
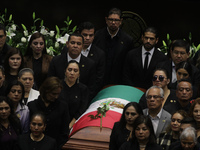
x=89 y=138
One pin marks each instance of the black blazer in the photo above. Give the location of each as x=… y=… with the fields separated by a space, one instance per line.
x=87 y=69
x=98 y=56
x=134 y=75
x=115 y=50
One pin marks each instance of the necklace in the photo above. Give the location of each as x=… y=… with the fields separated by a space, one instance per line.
x=36 y=140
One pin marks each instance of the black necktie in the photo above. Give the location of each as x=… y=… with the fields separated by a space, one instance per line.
x=146 y=61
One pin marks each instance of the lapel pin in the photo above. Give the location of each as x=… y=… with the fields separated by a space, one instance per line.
x=163 y=121
x=122 y=42
x=171 y=101
x=83 y=65
x=91 y=54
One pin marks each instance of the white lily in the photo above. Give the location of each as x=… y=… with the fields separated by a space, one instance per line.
x=52 y=33
x=63 y=39
x=43 y=30
x=10 y=33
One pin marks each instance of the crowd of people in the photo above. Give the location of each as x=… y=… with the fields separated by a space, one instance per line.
x=42 y=96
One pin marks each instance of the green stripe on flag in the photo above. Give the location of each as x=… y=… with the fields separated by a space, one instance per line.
x=120 y=91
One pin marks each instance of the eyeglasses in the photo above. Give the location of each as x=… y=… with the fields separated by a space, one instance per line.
x=160 y=78
x=113 y=20
x=149 y=97
x=178 y=120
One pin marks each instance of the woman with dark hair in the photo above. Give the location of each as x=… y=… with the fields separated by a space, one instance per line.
x=36 y=58
x=13 y=63
x=161 y=79
x=10 y=127
x=36 y=139
x=183 y=71
x=122 y=130
x=172 y=132
x=74 y=93
x=143 y=136
x=56 y=111
x=15 y=92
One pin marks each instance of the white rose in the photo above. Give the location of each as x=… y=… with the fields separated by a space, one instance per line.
x=23 y=39
x=13 y=27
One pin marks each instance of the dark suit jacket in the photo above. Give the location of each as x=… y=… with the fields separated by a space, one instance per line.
x=115 y=50
x=134 y=75
x=87 y=69
x=164 y=121
x=98 y=56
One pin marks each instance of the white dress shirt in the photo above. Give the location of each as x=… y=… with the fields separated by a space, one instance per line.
x=144 y=55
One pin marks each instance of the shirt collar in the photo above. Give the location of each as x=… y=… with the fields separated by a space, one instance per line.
x=115 y=33
x=76 y=59
x=158 y=115
x=144 y=51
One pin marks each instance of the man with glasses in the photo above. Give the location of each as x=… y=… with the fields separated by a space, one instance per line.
x=180 y=51
x=115 y=43
x=159 y=117
x=3 y=46
x=141 y=62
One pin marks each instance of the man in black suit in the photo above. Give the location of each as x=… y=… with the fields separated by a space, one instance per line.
x=179 y=52
x=115 y=43
x=87 y=66
x=141 y=62
x=90 y=50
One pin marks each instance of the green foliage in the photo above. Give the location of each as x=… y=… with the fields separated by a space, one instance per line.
x=101 y=111
x=166 y=46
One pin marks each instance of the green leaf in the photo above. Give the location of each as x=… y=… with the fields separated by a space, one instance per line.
x=70 y=22
x=67 y=18
x=190 y=36
x=23 y=26
x=164 y=44
x=10 y=18
x=74 y=29
x=33 y=15
x=42 y=22
x=198 y=47
x=58 y=32
x=5 y=11
x=168 y=38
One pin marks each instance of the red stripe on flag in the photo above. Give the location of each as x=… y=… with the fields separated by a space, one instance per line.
x=107 y=122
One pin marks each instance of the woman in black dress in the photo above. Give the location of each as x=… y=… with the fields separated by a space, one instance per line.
x=143 y=136
x=74 y=93
x=36 y=139
x=10 y=127
x=56 y=111
x=122 y=130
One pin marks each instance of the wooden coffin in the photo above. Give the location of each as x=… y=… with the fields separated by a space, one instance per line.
x=89 y=138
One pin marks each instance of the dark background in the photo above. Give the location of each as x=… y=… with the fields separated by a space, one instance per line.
x=178 y=17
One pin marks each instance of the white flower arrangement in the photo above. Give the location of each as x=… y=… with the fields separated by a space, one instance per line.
x=19 y=37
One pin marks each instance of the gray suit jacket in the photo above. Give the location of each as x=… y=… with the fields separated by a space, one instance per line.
x=164 y=121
